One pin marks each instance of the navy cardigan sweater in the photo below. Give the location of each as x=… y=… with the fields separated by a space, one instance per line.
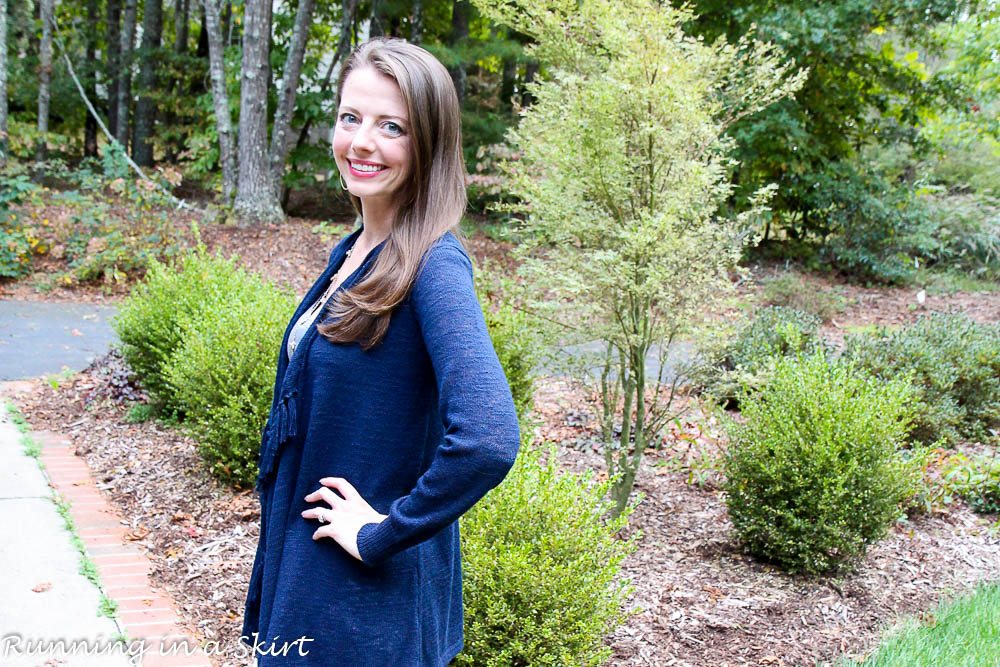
x=423 y=425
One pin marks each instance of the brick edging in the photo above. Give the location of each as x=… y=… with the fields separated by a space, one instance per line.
x=145 y=613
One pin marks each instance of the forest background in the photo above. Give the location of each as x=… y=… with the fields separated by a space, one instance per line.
x=884 y=160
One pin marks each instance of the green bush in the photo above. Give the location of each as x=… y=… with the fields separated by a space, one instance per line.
x=746 y=359
x=814 y=476
x=955 y=364
x=976 y=479
x=515 y=340
x=222 y=375
x=540 y=567
x=150 y=322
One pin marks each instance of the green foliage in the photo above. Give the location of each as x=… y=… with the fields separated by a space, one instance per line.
x=201 y=336
x=961 y=631
x=955 y=364
x=813 y=476
x=868 y=85
x=789 y=290
x=17 y=244
x=151 y=322
x=516 y=340
x=976 y=479
x=622 y=168
x=541 y=568
x=222 y=373
x=745 y=361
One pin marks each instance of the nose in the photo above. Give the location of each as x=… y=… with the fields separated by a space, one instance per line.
x=363 y=139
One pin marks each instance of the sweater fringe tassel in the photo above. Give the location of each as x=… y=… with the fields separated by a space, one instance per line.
x=280 y=428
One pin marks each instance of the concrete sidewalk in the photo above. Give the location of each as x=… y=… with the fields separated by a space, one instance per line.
x=45 y=598
x=44 y=595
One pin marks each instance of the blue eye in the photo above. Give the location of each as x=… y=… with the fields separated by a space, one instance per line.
x=393 y=128
x=348 y=117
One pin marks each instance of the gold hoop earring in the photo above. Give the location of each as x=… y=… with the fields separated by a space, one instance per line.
x=342 y=183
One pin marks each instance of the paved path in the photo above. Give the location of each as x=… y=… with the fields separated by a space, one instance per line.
x=50 y=613
x=40 y=337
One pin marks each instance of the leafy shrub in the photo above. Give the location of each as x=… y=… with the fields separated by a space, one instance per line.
x=790 y=291
x=814 y=476
x=540 y=568
x=222 y=375
x=976 y=479
x=515 y=340
x=16 y=243
x=745 y=360
x=955 y=363
x=151 y=321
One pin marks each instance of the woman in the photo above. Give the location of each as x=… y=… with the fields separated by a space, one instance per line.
x=391 y=414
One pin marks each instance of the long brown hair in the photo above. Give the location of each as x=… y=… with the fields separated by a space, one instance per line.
x=431 y=205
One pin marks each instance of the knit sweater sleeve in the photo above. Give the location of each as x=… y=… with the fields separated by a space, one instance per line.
x=479 y=422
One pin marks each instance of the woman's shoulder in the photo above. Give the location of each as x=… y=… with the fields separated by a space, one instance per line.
x=447 y=252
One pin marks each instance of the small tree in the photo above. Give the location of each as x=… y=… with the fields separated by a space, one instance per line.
x=623 y=165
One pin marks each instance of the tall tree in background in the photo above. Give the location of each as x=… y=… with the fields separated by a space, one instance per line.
x=280 y=139
x=124 y=86
x=255 y=197
x=220 y=100
x=112 y=40
x=145 y=107
x=181 y=22
x=460 y=13
x=3 y=83
x=90 y=80
x=45 y=8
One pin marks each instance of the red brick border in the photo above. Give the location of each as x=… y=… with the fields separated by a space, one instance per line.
x=144 y=612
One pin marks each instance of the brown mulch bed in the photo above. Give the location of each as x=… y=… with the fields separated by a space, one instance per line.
x=704 y=603
x=701 y=601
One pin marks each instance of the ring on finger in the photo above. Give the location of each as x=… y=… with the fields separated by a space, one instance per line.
x=320 y=517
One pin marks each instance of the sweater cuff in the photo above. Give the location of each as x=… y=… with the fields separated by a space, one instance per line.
x=374 y=542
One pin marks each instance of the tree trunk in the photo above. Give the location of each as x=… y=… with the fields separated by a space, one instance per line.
x=255 y=197
x=377 y=24
x=113 y=63
x=3 y=83
x=90 y=123
x=202 y=49
x=460 y=14
x=125 y=73
x=286 y=96
x=44 y=77
x=347 y=22
x=223 y=120
x=181 y=11
x=417 y=22
x=145 y=106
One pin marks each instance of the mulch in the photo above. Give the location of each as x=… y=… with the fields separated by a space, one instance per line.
x=698 y=599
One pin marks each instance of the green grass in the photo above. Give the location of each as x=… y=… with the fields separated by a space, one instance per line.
x=964 y=632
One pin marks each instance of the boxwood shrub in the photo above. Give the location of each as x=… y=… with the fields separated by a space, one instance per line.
x=222 y=376
x=540 y=566
x=152 y=322
x=815 y=474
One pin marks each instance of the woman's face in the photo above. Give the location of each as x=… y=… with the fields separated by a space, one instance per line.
x=371 y=141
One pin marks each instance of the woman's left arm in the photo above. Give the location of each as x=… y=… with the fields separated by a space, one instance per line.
x=481 y=432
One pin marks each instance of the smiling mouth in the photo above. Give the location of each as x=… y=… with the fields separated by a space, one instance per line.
x=362 y=169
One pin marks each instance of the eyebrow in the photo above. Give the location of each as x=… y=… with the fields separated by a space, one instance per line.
x=346 y=107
